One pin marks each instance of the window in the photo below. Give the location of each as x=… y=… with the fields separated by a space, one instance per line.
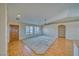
x=37 y=29
x=32 y=30
x=27 y=29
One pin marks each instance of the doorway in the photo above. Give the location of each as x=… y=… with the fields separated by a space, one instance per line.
x=61 y=31
x=14 y=33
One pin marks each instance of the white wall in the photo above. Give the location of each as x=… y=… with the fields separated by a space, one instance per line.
x=3 y=29
x=72 y=30
x=51 y=30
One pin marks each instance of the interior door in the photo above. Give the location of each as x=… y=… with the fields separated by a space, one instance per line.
x=14 y=32
x=61 y=31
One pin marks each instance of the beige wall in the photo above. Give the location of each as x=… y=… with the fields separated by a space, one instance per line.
x=3 y=30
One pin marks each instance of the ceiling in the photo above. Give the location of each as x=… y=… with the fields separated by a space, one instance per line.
x=36 y=13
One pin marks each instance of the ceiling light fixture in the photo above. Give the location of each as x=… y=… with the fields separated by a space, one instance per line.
x=18 y=17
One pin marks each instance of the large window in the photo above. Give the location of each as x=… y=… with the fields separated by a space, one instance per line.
x=32 y=30
x=29 y=30
x=37 y=30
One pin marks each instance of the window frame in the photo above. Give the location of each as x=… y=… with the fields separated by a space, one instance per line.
x=34 y=30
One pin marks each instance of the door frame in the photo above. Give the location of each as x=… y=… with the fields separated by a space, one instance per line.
x=61 y=31
x=10 y=29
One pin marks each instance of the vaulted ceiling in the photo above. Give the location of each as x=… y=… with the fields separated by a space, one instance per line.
x=36 y=13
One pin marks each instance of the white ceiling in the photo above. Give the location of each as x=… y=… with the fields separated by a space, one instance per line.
x=36 y=13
